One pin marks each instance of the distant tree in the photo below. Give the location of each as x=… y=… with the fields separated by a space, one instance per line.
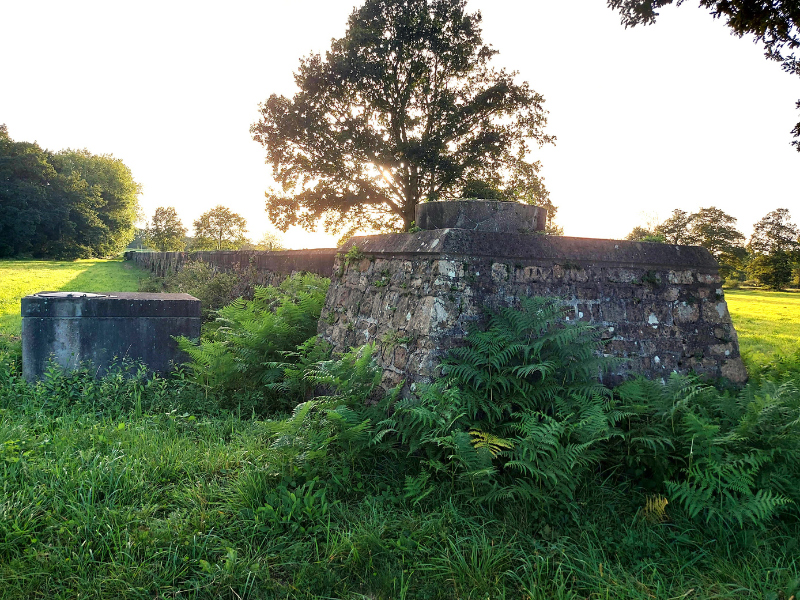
x=716 y=231
x=139 y=241
x=773 y=270
x=219 y=229
x=775 y=23
x=404 y=107
x=774 y=232
x=270 y=241
x=676 y=229
x=642 y=234
x=166 y=233
x=775 y=248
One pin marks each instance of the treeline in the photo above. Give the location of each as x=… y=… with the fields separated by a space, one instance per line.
x=770 y=257
x=64 y=205
x=217 y=229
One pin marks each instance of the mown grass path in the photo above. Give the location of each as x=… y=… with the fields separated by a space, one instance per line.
x=768 y=323
x=19 y=278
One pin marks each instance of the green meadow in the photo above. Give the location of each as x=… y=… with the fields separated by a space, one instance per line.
x=768 y=323
x=19 y=278
x=155 y=488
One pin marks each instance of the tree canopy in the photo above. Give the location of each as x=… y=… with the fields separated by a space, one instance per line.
x=774 y=232
x=69 y=204
x=166 y=232
x=219 y=229
x=774 y=23
x=775 y=248
x=404 y=108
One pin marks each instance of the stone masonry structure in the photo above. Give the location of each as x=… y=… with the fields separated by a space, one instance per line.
x=661 y=307
x=658 y=306
x=257 y=267
x=75 y=328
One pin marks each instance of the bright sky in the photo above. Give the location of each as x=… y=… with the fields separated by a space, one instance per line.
x=676 y=115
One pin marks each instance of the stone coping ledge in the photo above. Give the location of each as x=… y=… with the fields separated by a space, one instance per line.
x=539 y=247
x=112 y=304
x=315 y=260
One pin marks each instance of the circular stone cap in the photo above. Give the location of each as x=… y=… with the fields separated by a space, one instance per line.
x=71 y=295
x=481 y=215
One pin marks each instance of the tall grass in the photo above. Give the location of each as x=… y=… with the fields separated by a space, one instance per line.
x=129 y=487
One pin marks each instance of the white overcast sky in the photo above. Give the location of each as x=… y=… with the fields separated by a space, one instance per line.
x=680 y=114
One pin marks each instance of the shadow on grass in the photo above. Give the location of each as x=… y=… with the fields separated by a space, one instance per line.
x=30 y=277
x=107 y=276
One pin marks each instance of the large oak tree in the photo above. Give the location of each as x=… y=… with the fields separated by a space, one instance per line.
x=405 y=107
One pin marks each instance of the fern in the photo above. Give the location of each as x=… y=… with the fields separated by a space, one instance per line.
x=520 y=411
x=727 y=458
x=256 y=341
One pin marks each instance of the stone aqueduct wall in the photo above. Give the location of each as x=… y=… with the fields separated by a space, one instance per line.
x=256 y=267
x=661 y=307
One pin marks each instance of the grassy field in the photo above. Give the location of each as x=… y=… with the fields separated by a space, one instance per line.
x=768 y=323
x=19 y=278
x=151 y=489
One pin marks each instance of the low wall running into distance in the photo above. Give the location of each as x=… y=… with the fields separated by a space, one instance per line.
x=661 y=307
x=259 y=267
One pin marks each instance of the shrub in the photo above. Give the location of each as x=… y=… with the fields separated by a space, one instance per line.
x=255 y=341
x=213 y=288
x=520 y=411
x=727 y=458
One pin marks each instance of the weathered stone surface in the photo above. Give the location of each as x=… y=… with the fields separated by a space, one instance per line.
x=658 y=306
x=82 y=328
x=253 y=267
x=481 y=215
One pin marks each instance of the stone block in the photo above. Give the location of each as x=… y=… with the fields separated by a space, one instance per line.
x=481 y=215
x=645 y=296
x=74 y=328
x=686 y=313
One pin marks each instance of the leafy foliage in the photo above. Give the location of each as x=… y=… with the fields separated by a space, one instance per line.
x=727 y=458
x=219 y=229
x=253 y=337
x=404 y=107
x=65 y=205
x=213 y=288
x=520 y=412
x=776 y=248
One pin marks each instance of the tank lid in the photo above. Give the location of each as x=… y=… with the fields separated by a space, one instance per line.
x=70 y=295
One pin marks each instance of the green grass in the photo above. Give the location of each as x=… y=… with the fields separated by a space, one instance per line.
x=124 y=488
x=102 y=498
x=768 y=323
x=19 y=278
